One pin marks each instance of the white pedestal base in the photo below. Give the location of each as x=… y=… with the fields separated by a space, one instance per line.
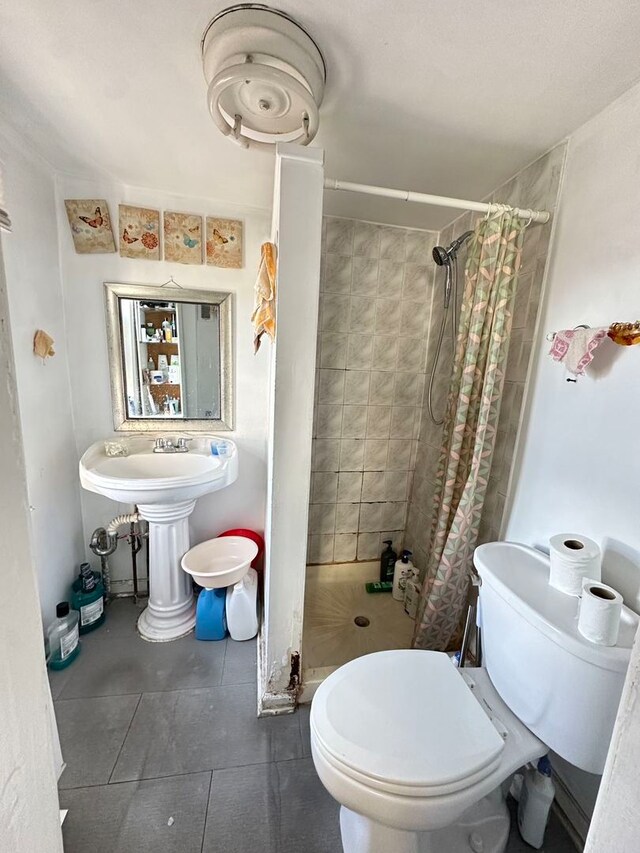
x=171 y=611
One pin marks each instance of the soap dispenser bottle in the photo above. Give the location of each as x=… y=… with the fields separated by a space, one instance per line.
x=62 y=637
x=387 y=562
x=402 y=570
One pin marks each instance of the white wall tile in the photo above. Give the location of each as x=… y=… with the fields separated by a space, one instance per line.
x=326 y=454
x=334 y=312
x=329 y=421
x=388 y=313
x=347 y=517
x=356 y=387
x=360 y=352
x=336 y=274
x=402 y=421
x=354 y=421
x=324 y=487
x=381 y=389
x=349 y=487
x=370 y=517
x=392 y=243
x=340 y=236
x=322 y=518
x=415 y=286
x=331 y=386
x=375 y=454
x=334 y=350
x=394 y=515
x=362 y=316
x=366 y=240
x=364 y=280
x=345 y=547
x=320 y=548
x=378 y=421
x=374 y=486
x=390 y=279
x=385 y=352
x=351 y=454
x=368 y=546
x=396 y=486
x=399 y=457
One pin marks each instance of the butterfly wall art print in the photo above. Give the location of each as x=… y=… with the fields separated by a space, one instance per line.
x=139 y=230
x=90 y=225
x=182 y=237
x=224 y=243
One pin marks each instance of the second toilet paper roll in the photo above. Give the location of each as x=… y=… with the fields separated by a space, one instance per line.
x=573 y=558
x=600 y=611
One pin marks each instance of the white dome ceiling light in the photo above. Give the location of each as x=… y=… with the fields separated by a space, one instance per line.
x=266 y=76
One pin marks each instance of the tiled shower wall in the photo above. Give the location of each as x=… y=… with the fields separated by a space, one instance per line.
x=536 y=187
x=375 y=310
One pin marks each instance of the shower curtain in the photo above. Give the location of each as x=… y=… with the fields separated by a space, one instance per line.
x=470 y=425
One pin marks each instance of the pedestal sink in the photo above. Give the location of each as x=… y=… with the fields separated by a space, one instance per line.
x=165 y=487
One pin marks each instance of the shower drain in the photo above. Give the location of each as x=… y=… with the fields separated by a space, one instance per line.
x=362 y=621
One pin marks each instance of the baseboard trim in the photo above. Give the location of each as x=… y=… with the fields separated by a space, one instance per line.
x=571 y=814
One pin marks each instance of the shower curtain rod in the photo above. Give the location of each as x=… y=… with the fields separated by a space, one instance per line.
x=436 y=200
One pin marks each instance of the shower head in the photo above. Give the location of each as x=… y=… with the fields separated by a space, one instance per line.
x=442 y=256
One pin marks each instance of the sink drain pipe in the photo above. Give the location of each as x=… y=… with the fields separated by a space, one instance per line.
x=104 y=542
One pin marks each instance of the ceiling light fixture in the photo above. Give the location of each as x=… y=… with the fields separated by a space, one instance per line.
x=265 y=74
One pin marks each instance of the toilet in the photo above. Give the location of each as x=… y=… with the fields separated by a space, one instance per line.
x=420 y=754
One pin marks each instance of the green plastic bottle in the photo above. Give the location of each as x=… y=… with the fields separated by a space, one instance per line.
x=88 y=599
x=62 y=637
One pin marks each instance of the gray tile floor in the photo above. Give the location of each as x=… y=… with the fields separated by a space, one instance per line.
x=164 y=753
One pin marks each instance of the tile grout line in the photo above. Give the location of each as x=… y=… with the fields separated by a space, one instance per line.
x=124 y=738
x=206 y=811
x=136 y=781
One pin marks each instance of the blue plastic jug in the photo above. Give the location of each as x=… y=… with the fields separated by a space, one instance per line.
x=211 y=620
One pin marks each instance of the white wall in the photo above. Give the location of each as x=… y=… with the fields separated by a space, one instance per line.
x=243 y=503
x=29 y=801
x=579 y=468
x=35 y=299
x=297 y=230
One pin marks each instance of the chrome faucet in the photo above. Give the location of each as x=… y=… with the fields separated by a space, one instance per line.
x=171 y=445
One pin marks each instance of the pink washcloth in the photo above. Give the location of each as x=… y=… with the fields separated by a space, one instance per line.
x=575 y=347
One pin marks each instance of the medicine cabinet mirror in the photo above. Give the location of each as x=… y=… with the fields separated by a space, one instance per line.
x=170 y=358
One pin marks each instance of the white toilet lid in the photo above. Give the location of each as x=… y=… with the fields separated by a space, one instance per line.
x=405 y=718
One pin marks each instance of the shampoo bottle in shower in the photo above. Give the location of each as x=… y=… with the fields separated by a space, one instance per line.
x=403 y=569
x=387 y=562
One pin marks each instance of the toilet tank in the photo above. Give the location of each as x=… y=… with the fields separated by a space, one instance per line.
x=564 y=688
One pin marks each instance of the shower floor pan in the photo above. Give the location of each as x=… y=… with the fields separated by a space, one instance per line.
x=342 y=621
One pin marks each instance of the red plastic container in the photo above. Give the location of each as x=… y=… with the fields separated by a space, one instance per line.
x=255 y=537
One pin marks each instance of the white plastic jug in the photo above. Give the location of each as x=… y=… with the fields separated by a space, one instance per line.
x=242 y=607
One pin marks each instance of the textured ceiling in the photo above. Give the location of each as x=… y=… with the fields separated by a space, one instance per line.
x=443 y=97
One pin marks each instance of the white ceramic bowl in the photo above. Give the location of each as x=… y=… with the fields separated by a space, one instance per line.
x=220 y=562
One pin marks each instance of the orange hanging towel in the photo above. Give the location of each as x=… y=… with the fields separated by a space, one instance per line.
x=264 y=313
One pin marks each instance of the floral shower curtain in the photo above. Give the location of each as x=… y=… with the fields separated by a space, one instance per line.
x=470 y=426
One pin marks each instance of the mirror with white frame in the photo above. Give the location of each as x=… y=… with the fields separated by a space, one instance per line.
x=170 y=358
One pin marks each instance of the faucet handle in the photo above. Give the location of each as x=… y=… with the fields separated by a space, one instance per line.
x=182 y=443
x=158 y=444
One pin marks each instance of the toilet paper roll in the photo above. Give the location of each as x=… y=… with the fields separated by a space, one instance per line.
x=600 y=612
x=573 y=558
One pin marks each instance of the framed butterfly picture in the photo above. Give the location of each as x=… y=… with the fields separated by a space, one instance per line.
x=90 y=225
x=224 y=243
x=182 y=237
x=139 y=231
